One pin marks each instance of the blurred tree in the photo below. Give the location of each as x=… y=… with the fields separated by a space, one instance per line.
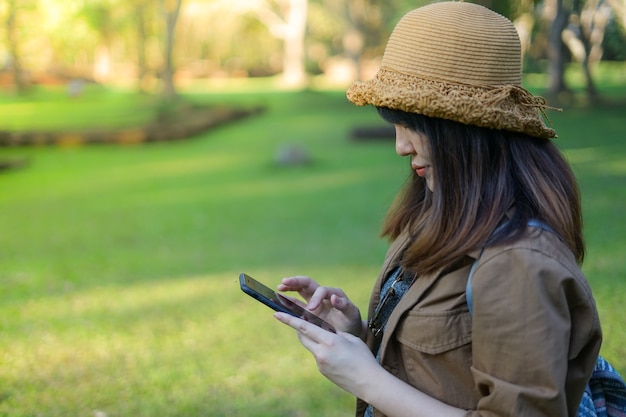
x=520 y=12
x=556 y=15
x=584 y=35
x=65 y=41
x=507 y=8
x=286 y=19
x=171 y=10
x=99 y=17
x=614 y=45
x=225 y=38
x=126 y=41
x=352 y=33
x=369 y=27
x=576 y=29
x=142 y=66
x=619 y=8
x=12 y=27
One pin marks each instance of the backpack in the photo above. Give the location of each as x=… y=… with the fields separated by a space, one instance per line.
x=605 y=394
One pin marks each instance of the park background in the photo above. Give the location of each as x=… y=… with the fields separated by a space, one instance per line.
x=150 y=151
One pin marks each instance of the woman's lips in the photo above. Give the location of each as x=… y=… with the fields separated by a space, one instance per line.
x=421 y=171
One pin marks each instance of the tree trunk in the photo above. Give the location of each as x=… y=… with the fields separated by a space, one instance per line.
x=619 y=8
x=142 y=70
x=354 y=37
x=556 y=52
x=102 y=69
x=171 y=8
x=594 y=19
x=293 y=58
x=290 y=26
x=14 y=50
x=584 y=38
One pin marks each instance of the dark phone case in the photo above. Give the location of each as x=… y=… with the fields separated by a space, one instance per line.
x=265 y=299
x=262 y=298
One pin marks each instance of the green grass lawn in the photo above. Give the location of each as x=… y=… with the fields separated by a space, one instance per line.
x=119 y=264
x=51 y=109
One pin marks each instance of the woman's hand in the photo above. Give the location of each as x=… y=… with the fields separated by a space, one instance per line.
x=347 y=361
x=330 y=304
x=342 y=358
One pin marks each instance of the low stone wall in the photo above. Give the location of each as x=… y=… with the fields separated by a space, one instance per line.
x=193 y=122
x=13 y=163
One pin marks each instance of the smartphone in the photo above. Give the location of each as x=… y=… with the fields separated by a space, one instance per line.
x=279 y=302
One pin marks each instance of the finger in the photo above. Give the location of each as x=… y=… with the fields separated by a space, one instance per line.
x=285 y=318
x=321 y=294
x=339 y=302
x=307 y=330
x=300 y=326
x=302 y=284
x=350 y=311
x=343 y=304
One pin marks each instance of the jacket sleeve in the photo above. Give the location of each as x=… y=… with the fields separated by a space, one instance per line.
x=524 y=355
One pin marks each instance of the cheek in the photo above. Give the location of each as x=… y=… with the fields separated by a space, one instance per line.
x=430 y=182
x=422 y=144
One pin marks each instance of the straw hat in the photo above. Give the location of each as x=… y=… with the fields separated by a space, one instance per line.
x=456 y=61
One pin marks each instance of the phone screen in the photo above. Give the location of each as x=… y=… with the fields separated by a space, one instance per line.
x=279 y=302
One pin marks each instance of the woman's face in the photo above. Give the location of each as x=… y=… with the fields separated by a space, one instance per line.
x=415 y=145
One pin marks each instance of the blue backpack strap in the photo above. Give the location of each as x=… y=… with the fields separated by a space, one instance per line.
x=541 y=225
x=469 y=298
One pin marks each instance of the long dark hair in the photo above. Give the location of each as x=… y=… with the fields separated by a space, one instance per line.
x=480 y=175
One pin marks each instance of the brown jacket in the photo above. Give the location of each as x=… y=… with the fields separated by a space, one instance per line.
x=527 y=349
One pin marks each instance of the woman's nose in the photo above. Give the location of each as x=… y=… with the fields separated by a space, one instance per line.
x=403 y=146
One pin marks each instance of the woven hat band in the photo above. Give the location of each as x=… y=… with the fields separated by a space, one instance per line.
x=508 y=107
x=472 y=46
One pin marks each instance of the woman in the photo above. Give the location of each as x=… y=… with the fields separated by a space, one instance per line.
x=489 y=192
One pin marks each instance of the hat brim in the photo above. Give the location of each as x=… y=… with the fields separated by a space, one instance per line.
x=507 y=107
